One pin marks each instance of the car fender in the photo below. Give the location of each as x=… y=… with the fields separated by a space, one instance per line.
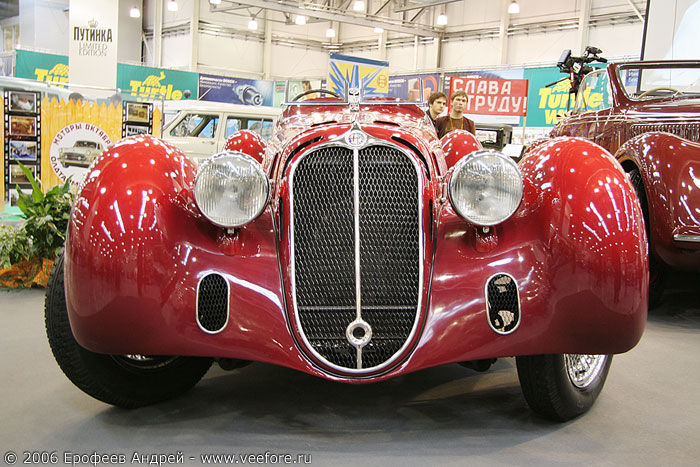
x=670 y=169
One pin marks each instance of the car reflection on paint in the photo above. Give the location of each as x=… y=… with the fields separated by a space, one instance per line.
x=81 y=154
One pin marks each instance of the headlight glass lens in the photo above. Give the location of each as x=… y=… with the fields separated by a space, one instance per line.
x=231 y=189
x=486 y=187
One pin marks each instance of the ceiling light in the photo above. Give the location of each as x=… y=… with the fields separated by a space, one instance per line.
x=513 y=8
x=442 y=20
x=215 y=2
x=330 y=32
x=252 y=24
x=300 y=20
x=359 y=5
x=134 y=12
x=378 y=30
x=172 y=5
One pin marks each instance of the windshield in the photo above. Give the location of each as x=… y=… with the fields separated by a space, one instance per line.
x=649 y=81
x=86 y=144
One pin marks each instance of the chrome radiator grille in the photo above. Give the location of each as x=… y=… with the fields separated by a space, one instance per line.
x=689 y=131
x=327 y=224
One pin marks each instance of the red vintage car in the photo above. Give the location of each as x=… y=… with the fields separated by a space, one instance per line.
x=648 y=115
x=355 y=246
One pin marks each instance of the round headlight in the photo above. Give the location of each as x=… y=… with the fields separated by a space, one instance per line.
x=486 y=187
x=231 y=189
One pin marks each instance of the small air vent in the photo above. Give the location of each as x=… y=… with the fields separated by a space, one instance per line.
x=212 y=303
x=502 y=303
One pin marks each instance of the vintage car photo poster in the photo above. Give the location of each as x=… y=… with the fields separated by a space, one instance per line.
x=74 y=148
x=23 y=150
x=137 y=118
x=22 y=138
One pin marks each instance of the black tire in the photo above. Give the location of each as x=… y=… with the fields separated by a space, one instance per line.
x=657 y=271
x=123 y=381
x=549 y=389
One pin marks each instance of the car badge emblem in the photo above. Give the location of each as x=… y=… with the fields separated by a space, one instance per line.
x=356 y=138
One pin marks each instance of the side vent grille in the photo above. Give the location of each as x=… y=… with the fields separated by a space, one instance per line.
x=502 y=303
x=212 y=303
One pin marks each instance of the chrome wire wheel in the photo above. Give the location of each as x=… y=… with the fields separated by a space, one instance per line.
x=583 y=369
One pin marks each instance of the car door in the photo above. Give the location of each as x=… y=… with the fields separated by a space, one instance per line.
x=196 y=133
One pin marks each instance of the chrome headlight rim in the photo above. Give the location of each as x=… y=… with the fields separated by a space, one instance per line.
x=258 y=168
x=470 y=158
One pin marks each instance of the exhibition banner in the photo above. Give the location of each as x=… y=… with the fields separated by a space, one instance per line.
x=41 y=66
x=370 y=75
x=492 y=96
x=146 y=83
x=408 y=86
x=92 y=42
x=236 y=90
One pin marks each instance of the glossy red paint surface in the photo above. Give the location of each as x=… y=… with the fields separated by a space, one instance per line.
x=137 y=246
x=247 y=142
x=457 y=144
x=640 y=134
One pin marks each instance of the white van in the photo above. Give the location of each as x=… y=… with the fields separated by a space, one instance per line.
x=202 y=129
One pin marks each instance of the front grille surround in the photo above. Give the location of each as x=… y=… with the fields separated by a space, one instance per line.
x=350 y=308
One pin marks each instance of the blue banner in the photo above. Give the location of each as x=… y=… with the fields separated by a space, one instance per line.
x=236 y=90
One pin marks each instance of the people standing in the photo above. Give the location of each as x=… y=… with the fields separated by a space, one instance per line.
x=455 y=120
x=436 y=104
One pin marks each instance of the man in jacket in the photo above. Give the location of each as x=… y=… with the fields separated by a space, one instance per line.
x=455 y=120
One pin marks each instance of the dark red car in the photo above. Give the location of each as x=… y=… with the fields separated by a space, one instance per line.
x=648 y=115
x=354 y=246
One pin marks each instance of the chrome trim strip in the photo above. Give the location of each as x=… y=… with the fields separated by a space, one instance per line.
x=228 y=303
x=340 y=142
x=356 y=215
x=517 y=295
x=686 y=238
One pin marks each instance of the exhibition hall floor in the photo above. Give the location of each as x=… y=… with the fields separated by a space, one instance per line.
x=647 y=414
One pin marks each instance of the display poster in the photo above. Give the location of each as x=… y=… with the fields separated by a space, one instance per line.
x=92 y=42
x=236 y=90
x=407 y=87
x=22 y=141
x=41 y=67
x=372 y=76
x=492 y=96
x=546 y=104
x=499 y=95
x=146 y=83
x=74 y=148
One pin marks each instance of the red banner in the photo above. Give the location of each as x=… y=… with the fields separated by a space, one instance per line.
x=492 y=96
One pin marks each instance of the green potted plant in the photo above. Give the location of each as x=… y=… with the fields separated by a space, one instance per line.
x=45 y=225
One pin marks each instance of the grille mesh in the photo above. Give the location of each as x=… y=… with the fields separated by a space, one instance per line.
x=212 y=303
x=324 y=251
x=689 y=131
x=503 y=303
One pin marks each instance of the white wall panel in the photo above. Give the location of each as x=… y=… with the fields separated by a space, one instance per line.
x=236 y=55
x=176 y=51
x=541 y=48
x=623 y=40
x=470 y=54
x=298 y=63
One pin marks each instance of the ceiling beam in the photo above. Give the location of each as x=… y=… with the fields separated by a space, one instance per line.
x=415 y=6
x=329 y=14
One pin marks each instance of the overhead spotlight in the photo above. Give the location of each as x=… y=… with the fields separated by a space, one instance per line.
x=378 y=30
x=215 y=2
x=252 y=24
x=172 y=5
x=359 y=5
x=514 y=8
x=300 y=20
x=330 y=32
x=442 y=20
x=134 y=12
